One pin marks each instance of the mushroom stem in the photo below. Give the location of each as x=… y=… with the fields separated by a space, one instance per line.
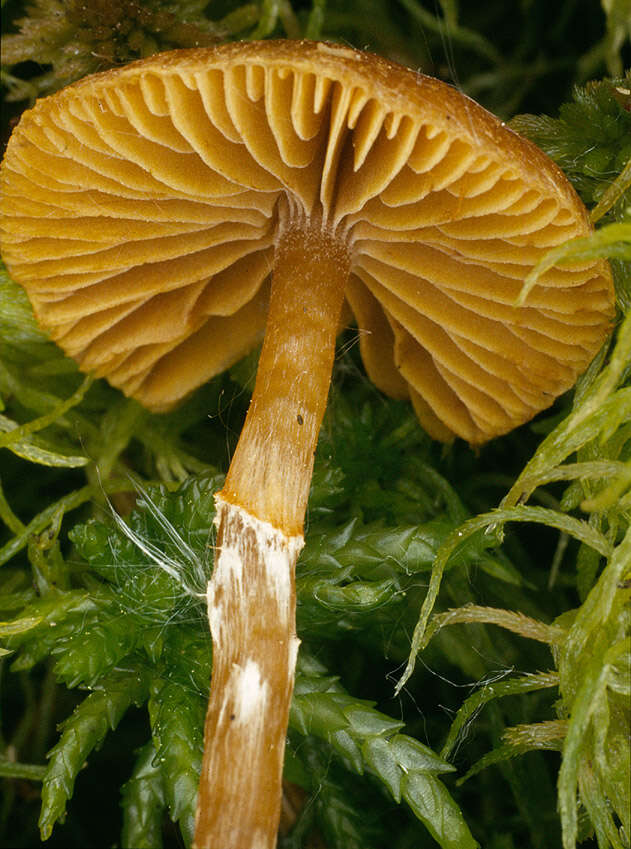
x=260 y=515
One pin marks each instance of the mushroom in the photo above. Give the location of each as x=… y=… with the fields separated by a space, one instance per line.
x=167 y=216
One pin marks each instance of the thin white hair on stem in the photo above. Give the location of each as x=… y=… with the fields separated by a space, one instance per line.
x=158 y=557
x=486 y=682
x=171 y=532
x=353 y=339
x=188 y=571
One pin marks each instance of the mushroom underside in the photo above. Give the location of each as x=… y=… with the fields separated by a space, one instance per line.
x=167 y=187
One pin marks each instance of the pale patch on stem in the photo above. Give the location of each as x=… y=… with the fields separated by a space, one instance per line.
x=251 y=611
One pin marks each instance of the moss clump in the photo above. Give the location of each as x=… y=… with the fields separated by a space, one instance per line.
x=77 y=38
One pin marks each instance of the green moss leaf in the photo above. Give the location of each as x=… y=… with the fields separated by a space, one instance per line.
x=370 y=741
x=432 y=804
x=143 y=803
x=591 y=139
x=82 y=732
x=177 y=721
x=87 y=656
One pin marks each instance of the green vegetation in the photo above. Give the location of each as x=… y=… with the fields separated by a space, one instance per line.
x=464 y=673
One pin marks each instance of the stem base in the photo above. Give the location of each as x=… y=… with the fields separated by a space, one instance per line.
x=251 y=612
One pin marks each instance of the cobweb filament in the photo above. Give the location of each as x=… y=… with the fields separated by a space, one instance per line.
x=180 y=570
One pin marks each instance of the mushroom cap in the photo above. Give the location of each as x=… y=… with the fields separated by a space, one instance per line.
x=141 y=209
